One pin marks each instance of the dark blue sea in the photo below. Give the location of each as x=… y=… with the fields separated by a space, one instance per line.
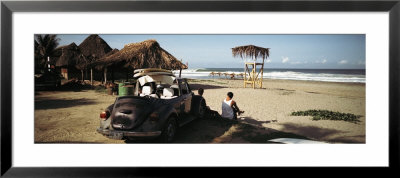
x=326 y=75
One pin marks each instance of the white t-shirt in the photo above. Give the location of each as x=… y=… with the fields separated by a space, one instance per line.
x=227 y=111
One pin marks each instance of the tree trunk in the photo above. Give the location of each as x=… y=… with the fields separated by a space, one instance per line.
x=82 y=75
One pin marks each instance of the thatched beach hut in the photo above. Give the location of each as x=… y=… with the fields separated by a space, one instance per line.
x=145 y=54
x=93 y=48
x=101 y=65
x=69 y=58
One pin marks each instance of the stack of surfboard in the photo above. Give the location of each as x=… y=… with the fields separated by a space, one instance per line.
x=151 y=71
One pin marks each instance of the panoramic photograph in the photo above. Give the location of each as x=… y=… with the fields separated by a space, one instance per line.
x=200 y=88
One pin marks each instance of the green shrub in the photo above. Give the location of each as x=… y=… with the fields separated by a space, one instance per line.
x=100 y=89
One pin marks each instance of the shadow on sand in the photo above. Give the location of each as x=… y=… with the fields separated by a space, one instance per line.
x=204 y=86
x=51 y=103
x=323 y=134
x=215 y=129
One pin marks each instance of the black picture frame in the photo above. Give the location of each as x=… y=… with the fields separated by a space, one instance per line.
x=8 y=7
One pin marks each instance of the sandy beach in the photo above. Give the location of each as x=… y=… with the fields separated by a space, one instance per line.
x=73 y=116
x=271 y=107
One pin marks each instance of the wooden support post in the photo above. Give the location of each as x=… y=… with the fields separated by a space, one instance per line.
x=105 y=76
x=112 y=75
x=262 y=73
x=91 y=76
x=245 y=74
x=253 y=74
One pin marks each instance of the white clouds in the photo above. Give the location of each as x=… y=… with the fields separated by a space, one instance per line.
x=299 y=62
x=361 y=63
x=323 y=61
x=268 y=61
x=285 y=59
x=343 y=62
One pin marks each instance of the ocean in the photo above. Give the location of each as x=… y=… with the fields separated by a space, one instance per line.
x=326 y=75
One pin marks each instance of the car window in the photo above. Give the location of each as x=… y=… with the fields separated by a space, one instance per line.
x=188 y=87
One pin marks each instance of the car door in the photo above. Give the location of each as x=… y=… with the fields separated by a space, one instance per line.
x=185 y=103
x=188 y=97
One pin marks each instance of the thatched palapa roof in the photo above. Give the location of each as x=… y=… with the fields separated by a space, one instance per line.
x=251 y=51
x=70 y=55
x=146 y=54
x=99 y=64
x=94 y=47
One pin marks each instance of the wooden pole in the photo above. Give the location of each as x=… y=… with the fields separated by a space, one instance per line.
x=91 y=76
x=253 y=74
x=105 y=76
x=245 y=74
x=262 y=73
x=112 y=75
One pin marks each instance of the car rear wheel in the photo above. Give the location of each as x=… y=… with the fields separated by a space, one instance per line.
x=169 y=131
x=199 y=108
x=202 y=109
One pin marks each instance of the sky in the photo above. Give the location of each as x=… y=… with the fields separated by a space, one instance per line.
x=286 y=51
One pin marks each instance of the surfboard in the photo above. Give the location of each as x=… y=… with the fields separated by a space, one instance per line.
x=150 y=70
x=295 y=141
x=153 y=73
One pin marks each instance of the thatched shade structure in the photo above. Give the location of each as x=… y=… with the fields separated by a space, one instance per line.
x=100 y=64
x=70 y=58
x=146 y=54
x=70 y=55
x=94 y=47
x=253 y=52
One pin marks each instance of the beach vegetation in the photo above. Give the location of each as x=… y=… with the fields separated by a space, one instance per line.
x=100 y=89
x=328 y=115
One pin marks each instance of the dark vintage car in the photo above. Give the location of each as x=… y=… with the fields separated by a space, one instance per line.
x=161 y=103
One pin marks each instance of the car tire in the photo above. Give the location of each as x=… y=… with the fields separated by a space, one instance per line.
x=202 y=109
x=199 y=107
x=169 y=131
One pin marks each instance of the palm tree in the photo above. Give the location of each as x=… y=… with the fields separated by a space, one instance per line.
x=45 y=46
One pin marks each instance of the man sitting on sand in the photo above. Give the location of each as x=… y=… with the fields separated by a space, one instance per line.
x=201 y=91
x=229 y=108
